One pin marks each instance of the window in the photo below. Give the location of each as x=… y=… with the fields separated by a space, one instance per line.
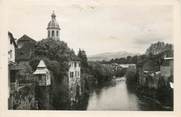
x=75 y=73
x=52 y=33
x=75 y=64
x=57 y=33
x=71 y=74
x=78 y=73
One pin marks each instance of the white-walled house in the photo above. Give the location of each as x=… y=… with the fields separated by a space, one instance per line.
x=13 y=69
x=166 y=69
x=11 y=47
x=12 y=65
x=74 y=79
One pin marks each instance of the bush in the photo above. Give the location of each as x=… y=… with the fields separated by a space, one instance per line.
x=131 y=77
x=120 y=72
x=101 y=72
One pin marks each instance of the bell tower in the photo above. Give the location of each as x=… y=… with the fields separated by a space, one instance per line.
x=53 y=28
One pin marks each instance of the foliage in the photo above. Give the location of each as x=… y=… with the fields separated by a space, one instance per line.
x=83 y=58
x=25 y=74
x=23 y=98
x=159 y=47
x=101 y=72
x=56 y=55
x=155 y=51
x=54 y=50
x=120 y=72
x=131 y=77
x=123 y=60
x=151 y=62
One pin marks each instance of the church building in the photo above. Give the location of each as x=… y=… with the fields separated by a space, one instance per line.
x=74 y=74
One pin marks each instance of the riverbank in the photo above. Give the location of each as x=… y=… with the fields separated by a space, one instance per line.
x=116 y=95
x=152 y=87
x=164 y=100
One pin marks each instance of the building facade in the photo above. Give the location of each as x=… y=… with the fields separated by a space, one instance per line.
x=12 y=65
x=166 y=69
x=11 y=48
x=155 y=76
x=74 y=80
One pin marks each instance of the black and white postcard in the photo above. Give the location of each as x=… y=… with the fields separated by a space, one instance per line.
x=108 y=56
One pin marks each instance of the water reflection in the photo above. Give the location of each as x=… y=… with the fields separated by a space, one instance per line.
x=117 y=96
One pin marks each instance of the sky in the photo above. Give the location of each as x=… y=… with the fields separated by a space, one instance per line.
x=97 y=26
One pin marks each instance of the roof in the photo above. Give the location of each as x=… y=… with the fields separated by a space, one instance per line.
x=41 y=68
x=41 y=71
x=26 y=38
x=53 y=24
x=12 y=39
x=41 y=64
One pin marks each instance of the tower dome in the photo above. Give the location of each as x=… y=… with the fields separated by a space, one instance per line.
x=53 y=28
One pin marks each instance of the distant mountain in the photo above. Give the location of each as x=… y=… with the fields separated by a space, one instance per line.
x=110 y=55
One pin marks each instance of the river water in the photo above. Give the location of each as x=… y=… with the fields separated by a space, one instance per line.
x=117 y=96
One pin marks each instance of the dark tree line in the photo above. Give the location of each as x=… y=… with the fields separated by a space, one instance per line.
x=155 y=51
x=125 y=60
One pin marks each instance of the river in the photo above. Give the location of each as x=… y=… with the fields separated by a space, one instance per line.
x=117 y=96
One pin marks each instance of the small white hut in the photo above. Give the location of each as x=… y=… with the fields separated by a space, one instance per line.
x=43 y=74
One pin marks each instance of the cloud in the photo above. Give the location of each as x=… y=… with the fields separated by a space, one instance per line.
x=96 y=26
x=147 y=40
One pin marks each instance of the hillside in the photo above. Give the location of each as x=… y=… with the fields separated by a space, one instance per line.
x=110 y=55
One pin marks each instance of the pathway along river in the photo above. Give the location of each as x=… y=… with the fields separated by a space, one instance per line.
x=117 y=96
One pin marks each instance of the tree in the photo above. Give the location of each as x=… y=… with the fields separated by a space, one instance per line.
x=159 y=47
x=101 y=72
x=56 y=55
x=83 y=58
